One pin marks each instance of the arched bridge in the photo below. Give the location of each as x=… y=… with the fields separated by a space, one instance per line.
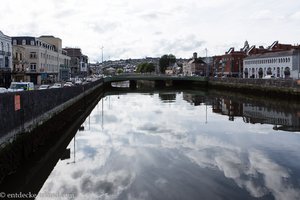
x=160 y=80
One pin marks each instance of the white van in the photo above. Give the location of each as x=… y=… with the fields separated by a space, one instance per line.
x=20 y=86
x=268 y=77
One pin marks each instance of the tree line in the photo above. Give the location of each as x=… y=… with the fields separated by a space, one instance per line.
x=164 y=62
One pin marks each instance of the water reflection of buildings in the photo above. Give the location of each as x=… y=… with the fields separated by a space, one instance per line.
x=287 y=121
x=281 y=119
x=194 y=99
x=167 y=97
x=227 y=107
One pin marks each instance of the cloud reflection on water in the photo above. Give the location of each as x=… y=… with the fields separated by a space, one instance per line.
x=140 y=156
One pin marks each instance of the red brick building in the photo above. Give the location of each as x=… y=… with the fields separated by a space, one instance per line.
x=230 y=64
x=275 y=47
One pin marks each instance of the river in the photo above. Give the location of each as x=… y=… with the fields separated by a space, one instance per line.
x=182 y=145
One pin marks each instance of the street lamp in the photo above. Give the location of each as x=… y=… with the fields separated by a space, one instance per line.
x=207 y=67
x=298 y=61
x=102 y=53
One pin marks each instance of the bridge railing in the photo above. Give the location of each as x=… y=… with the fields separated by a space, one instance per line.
x=152 y=77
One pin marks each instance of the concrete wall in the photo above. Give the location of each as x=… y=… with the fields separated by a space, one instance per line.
x=268 y=87
x=36 y=107
x=45 y=144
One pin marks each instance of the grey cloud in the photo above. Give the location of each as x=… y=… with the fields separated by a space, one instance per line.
x=161 y=182
x=86 y=185
x=89 y=151
x=259 y=176
x=154 y=15
x=108 y=118
x=77 y=174
x=158 y=112
x=104 y=26
x=188 y=43
x=149 y=127
x=104 y=187
x=150 y=16
x=63 y=13
x=111 y=185
x=68 y=190
x=157 y=128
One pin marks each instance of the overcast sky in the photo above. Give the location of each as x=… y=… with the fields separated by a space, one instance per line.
x=140 y=28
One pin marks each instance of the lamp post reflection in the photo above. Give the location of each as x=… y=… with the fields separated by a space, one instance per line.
x=74 y=151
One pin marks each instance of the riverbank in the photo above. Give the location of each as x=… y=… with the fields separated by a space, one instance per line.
x=286 y=88
x=45 y=133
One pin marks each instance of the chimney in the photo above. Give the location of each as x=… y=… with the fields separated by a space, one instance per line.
x=195 y=55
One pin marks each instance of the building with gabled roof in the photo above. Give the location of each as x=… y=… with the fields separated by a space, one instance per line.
x=195 y=66
x=231 y=63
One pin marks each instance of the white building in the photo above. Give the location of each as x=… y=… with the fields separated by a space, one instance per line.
x=282 y=64
x=281 y=119
x=5 y=60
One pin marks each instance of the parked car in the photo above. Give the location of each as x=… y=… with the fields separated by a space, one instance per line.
x=68 y=84
x=43 y=87
x=3 y=90
x=268 y=77
x=78 y=82
x=21 y=86
x=55 y=85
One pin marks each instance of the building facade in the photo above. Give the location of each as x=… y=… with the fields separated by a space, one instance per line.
x=230 y=64
x=281 y=64
x=5 y=60
x=79 y=62
x=195 y=66
x=19 y=63
x=40 y=60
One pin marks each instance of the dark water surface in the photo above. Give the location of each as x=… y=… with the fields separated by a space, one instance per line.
x=182 y=145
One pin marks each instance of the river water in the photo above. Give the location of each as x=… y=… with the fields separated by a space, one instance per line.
x=182 y=145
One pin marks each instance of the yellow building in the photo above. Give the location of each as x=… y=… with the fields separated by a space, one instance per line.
x=43 y=60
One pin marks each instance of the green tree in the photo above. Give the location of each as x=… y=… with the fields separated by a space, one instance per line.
x=165 y=61
x=119 y=71
x=150 y=67
x=172 y=59
x=145 y=67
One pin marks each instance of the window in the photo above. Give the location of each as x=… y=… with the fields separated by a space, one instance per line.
x=6 y=60
x=32 y=55
x=32 y=42
x=23 y=42
x=32 y=66
x=287 y=72
x=14 y=42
